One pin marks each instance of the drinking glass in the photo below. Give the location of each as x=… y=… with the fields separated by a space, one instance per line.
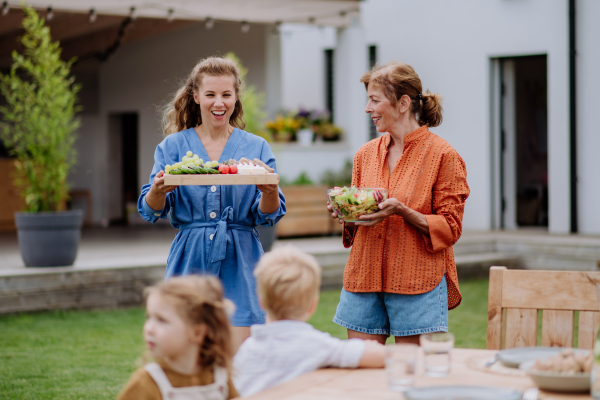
x=436 y=351
x=401 y=365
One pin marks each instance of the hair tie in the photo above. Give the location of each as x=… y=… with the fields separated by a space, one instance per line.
x=420 y=96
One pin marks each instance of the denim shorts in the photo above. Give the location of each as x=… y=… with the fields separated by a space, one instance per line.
x=380 y=313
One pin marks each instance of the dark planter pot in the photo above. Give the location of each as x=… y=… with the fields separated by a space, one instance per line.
x=266 y=236
x=49 y=239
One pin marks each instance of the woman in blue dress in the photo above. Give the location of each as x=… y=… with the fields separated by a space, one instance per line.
x=216 y=224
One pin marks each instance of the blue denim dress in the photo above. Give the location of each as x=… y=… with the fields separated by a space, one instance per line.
x=216 y=223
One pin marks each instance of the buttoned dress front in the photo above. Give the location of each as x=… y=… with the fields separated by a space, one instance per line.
x=217 y=234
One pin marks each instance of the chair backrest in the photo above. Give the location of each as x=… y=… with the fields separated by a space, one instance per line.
x=515 y=296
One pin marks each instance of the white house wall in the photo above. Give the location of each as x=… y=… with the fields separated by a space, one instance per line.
x=588 y=130
x=450 y=44
x=140 y=77
x=303 y=65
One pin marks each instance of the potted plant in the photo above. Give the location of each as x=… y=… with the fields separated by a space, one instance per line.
x=329 y=132
x=283 y=127
x=38 y=127
x=305 y=134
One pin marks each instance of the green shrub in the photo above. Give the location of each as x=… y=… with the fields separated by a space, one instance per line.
x=342 y=177
x=39 y=121
x=253 y=102
x=303 y=180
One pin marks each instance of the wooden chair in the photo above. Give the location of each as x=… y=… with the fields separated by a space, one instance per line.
x=515 y=296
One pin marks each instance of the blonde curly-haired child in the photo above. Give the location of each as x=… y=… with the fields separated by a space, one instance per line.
x=187 y=332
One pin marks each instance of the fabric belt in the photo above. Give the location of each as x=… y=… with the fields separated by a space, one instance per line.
x=219 y=247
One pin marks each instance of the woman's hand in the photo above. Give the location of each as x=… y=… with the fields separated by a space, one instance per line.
x=157 y=195
x=159 y=184
x=269 y=201
x=388 y=207
x=335 y=215
x=392 y=206
x=266 y=189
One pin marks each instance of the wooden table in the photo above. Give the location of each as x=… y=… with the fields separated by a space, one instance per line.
x=354 y=384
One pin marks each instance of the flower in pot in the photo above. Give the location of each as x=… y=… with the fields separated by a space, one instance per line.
x=38 y=128
x=283 y=128
x=305 y=134
x=330 y=132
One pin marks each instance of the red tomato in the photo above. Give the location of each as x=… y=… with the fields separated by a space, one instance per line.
x=233 y=169
x=224 y=169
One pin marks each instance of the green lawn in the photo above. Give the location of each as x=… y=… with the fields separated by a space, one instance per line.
x=90 y=355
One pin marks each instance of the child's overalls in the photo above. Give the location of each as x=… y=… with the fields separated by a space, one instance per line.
x=219 y=390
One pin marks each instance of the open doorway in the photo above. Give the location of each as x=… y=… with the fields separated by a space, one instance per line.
x=122 y=167
x=521 y=137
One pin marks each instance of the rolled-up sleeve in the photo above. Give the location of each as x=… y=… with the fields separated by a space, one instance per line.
x=148 y=213
x=261 y=218
x=348 y=235
x=449 y=195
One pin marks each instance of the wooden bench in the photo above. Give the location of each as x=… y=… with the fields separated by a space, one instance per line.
x=307 y=213
x=516 y=296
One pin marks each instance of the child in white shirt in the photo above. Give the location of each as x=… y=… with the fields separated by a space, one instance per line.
x=288 y=282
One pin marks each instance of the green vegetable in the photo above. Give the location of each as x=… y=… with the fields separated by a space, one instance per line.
x=354 y=202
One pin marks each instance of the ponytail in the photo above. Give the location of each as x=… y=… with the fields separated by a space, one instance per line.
x=430 y=113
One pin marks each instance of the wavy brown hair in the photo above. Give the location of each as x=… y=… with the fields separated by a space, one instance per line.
x=399 y=79
x=200 y=300
x=182 y=112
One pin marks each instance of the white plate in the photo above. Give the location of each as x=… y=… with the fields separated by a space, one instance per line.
x=462 y=393
x=557 y=382
x=514 y=357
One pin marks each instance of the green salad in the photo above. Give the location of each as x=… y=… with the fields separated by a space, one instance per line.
x=352 y=202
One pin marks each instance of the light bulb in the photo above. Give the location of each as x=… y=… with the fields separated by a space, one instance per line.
x=5 y=8
x=93 y=16
x=209 y=23
x=49 y=14
x=245 y=26
x=171 y=15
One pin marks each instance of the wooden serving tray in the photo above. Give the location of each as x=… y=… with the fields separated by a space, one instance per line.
x=221 y=179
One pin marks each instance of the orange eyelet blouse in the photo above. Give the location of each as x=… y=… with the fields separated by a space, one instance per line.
x=393 y=256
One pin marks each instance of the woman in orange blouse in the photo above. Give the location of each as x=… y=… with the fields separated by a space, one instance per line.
x=400 y=279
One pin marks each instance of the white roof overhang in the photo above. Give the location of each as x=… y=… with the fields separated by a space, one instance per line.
x=320 y=12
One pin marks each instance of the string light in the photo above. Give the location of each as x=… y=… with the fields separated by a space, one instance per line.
x=245 y=26
x=49 y=14
x=311 y=20
x=132 y=13
x=5 y=8
x=93 y=16
x=171 y=15
x=209 y=23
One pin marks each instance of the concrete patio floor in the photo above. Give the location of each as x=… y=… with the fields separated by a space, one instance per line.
x=115 y=264
x=149 y=246
x=129 y=247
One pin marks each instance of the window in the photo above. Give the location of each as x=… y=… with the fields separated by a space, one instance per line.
x=329 y=82
x=372 y=61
